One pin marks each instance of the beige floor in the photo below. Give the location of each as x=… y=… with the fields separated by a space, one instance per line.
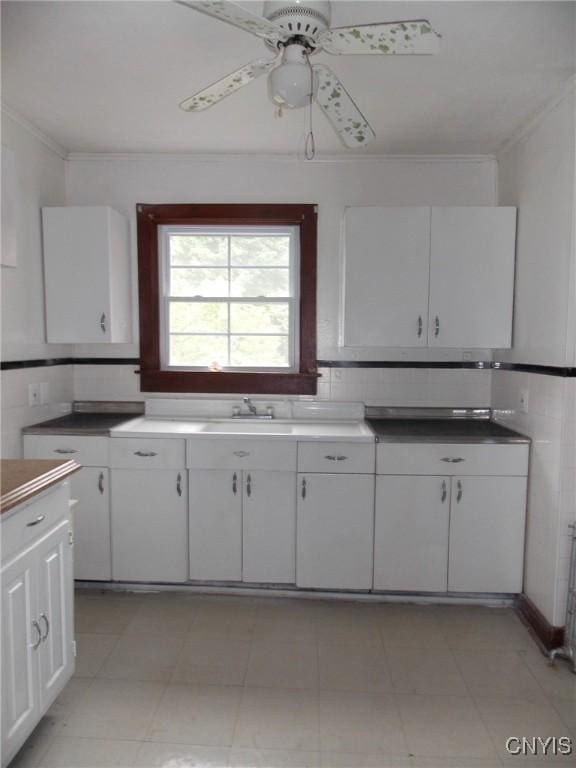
x=180 y=680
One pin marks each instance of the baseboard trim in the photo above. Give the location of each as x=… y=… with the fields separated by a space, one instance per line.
x=548 y=635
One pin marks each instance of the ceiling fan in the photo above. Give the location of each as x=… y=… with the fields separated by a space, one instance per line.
x=294 y=30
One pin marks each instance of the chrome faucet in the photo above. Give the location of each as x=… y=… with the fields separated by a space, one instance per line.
x=250 y=405
x=237 y=412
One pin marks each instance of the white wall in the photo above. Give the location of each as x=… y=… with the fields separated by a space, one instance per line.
x=537 y=174
x=40 y=182
x=124 y=181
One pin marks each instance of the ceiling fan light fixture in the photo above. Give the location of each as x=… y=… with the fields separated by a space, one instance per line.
x=293 y=83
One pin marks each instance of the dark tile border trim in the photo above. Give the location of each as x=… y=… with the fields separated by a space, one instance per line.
x=549 y=636
x=547 y=370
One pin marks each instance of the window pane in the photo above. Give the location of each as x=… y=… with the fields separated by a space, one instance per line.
x=198 y=318
x=199 y=282
x=198 y=350
x=261 y=351
x=198 y=250
x=260 y=251
x=259 y=318
x=260 y=282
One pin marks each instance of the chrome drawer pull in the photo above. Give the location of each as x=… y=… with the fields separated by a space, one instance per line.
x=444 y=491
x=420 y=326
x=303 y=487
x=459 y=494
x=38 y=520
x=249 y=485
x=241 y=454
x=47 y=623
x=179 y=484
x=103 y=322
x=101 y=482
x=146 y=454
x=453 y=460
x=36 y=626
x=235 y=483
x=332 y=457
x=436 y=326
x=65 y=450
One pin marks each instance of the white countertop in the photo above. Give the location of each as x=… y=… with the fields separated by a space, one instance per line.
x=275 y=429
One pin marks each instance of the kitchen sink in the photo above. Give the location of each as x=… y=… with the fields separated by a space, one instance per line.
x=248 y=428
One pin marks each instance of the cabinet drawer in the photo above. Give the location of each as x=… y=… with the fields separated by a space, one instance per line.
x=451 y=459
x=147 y=453
x=241 y=454
x=32 y=520
x=351 y=458
x=88 y=451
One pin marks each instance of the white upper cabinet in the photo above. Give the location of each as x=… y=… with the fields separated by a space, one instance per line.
x=436 y=277
x=386 y=277
x=471 y=277
x=87 y=275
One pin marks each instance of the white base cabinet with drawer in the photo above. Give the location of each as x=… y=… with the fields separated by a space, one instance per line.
x=335 y=525
x=37 y=615
x=149 y=525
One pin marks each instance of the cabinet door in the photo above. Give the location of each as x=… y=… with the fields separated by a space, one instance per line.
x=487 y=520
x=386 y=277
x=471 y=277
x=21 y=639
x=411 y=533
x=335 y=531
x=92 y=554
x=215 y=524
x=269 y=527
x=149 y=525
x=55 y=612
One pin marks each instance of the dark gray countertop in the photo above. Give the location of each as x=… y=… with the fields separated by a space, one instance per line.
x=79 y=424
x=443 y=431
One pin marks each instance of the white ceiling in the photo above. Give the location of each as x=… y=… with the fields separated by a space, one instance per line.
x=108 y=76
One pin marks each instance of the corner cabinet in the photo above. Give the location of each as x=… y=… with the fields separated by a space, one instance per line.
x=87 y=275
x=37 y=613
x=428 y=277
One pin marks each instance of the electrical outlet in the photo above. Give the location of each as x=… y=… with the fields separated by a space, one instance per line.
x=33 y=394
x=44 y=392
x=523 y=401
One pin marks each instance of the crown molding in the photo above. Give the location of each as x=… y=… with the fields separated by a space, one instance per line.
x=278 y=158
x=528 y=127
x=33 y=130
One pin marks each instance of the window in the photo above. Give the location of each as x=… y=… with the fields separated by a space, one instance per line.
x=227 y=298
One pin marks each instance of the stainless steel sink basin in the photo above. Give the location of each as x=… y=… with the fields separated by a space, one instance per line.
x=248 y=428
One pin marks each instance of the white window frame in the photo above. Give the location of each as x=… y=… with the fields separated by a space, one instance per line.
x=293 y=301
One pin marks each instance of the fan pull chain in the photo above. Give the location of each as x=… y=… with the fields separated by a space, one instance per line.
x=310 y=144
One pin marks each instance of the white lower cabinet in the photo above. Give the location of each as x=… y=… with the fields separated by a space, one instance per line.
x=411 y=533
x=215 y=524
x=242 y=525
x=149 y=525
x=269 y=527
x=487 y=523
x=37 y=619
x=335 y=526
x=92 y=550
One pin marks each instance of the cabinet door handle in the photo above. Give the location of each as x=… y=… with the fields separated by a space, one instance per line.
x=459 y=493
x=249 y=485
x=38 y=632
x=146 y=454
x=101 y=482
x=420 y=326
x=37 y=521
x=436 y=326
x=235 y=483
x=65 y=450
x=444 y=491
x=47 y=624
x=179 y=484
x=103 y=322
x=303 y=487
x=453 y=459
x=241 y=454
x=337 y=457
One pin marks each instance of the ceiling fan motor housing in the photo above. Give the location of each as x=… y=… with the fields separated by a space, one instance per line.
x=304 y=19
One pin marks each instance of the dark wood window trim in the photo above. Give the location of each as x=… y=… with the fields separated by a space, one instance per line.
x=153 y=378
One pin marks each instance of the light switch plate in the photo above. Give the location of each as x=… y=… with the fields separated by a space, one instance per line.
x=33 y=394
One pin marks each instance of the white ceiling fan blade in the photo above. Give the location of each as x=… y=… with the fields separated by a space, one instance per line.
x=227 y=85
x=238 y=17
x=344 y=116
x=396 y=37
